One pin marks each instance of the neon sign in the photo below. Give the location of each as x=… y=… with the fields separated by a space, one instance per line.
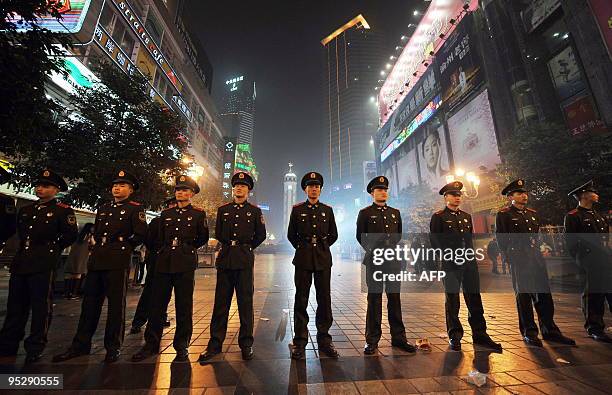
x=420 y=119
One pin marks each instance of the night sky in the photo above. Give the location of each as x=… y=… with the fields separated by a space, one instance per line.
x=278 y=44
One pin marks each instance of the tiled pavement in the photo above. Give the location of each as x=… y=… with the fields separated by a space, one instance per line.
x=519 y=369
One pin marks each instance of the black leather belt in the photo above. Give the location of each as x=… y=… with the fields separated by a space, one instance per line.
x=234 y=243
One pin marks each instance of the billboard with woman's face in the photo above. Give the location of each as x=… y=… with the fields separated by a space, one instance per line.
x=434 y=158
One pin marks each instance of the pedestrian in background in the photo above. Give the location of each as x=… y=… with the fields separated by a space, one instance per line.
x=76 y=264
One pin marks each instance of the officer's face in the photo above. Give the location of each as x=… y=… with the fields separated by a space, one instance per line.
x=453 y=198
x=589 y=197
x=519 y=197
x=122 y=190
x=183 y=194
x=313 y=191
x=46 y=191
x=380 y=195
x=240 y=191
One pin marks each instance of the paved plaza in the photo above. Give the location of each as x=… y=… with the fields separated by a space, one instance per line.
x=554 y=369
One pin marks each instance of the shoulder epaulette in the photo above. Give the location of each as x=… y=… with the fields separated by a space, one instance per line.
x=225 y=204
x=504 y=210
x=298 y=204
x=168 y=208
x=439 y=212
x=134 y=203
x=532 y=210
x=197 y=208
x=574 y=211
x=63 y=205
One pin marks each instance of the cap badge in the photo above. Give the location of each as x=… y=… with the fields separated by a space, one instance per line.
x=46 y=173
x=121 y=173
x=520 y=182
x=313 y=175
x=241 y=175
x=456 y=185
x=182 y=178
x=381 y=179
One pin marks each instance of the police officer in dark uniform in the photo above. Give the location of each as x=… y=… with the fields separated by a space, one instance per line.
x=240 y=229
x=587 y=234
x=44 y=228
x=8 y=222
x=452 y=228
x=183 y=230
x=143 y=309
x=120 y=226
x=380 y=226
x=312 y=230
x=517 y=228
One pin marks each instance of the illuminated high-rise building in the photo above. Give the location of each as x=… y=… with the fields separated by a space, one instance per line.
x=353 y=57
x=238 y=108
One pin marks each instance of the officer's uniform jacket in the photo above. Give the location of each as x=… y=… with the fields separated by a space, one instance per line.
x=518 y=241
x=451 y=229
x=182 y=232
x=44 y=230
x=8 y=222
x=240 y=228
x=587 y=235
x=152 y=242
x=312 y=230
x=119 y=228
x=378 y=227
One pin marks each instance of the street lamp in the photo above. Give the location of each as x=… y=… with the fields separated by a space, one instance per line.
x=470 y=181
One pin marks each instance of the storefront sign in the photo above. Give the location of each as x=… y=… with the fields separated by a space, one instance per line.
x=537 y=13
x=78 y=76
x=602 y=11
x=580 y=116
x=182 y=106
x=566 y=74
x=145 y=38
x=110 y=47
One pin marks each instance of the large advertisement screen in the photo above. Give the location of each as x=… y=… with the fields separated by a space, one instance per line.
x=433 y=158
x=472 y=136
x=245 y=161
x=458 y=63
x=77 y=17
x=425 y=39
x=407 y=170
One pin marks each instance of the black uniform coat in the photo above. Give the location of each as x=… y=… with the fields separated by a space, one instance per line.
x=44 y=230
x=378 y=227
x=518 y=241
x=310 y=222
x=183 y=231
x=451 y=229
x=119 y=228
x=587 y=233
x=245 y=225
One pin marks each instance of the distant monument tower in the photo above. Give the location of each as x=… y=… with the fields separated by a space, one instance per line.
x=289 y=197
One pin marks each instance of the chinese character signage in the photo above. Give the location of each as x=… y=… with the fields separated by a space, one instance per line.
x=229 y=157
x=458 y=63
x=581 y=116
x=602 y=11
x=145 y=38
x=110 y=47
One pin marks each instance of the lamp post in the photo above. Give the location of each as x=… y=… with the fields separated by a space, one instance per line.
x=470 y=181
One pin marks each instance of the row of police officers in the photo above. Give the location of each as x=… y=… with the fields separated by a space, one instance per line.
x=46 y=227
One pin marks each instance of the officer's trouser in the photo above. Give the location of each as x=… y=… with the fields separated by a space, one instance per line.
x=100 y=285
x=143 y=309
x=183 y=284
x=467 y=279
x=228 y=280
x=324 y=317
x=27 y=291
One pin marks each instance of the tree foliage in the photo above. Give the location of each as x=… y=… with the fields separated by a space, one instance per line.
x=113 y=125
x=554 y=162
x=28 y=56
